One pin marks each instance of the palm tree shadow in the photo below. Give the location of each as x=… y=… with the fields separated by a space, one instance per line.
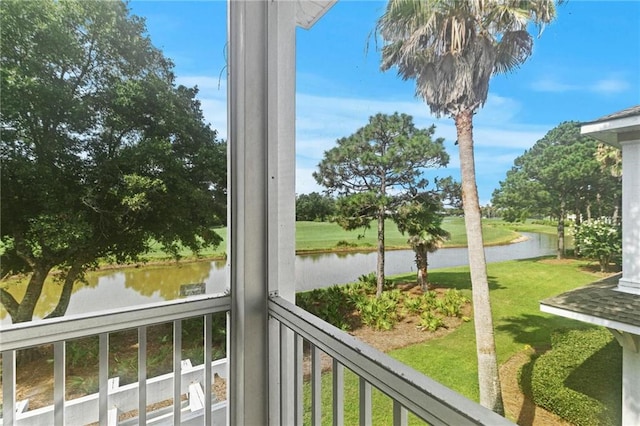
x=458 y=280
x=533 y=331
x=527 y=414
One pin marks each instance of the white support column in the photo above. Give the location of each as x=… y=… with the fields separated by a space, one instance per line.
x=630 y=376
x=630 y=280
x=248 y=136
x=281 y=59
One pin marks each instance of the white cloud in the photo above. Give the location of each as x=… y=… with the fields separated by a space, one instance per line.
x=550 y=84
x=610 y=85
x=604 y=86
x=498 y=138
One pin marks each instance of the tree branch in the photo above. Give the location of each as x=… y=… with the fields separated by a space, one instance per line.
x=9 y=302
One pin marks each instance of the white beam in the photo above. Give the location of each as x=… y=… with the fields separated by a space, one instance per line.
x=630 y=280
x=281 y=91
x=630 y=376
x=247 y=109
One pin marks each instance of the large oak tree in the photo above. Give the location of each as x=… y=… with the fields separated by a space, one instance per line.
x=101 y=151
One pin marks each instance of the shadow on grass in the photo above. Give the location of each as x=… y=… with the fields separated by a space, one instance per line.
x=534 y=330
x=527 y=411
x=458 y=280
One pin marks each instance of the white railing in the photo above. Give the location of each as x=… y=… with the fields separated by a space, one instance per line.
x=409 y=389
x=109 y=401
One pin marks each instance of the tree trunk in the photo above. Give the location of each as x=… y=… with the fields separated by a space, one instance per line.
x=561 y=233
x=421 y=264
x=380 y=268
x=67 y=288
x=488 y=374
x=27 y=306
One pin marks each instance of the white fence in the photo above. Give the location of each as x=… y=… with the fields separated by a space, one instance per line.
x=105 y=406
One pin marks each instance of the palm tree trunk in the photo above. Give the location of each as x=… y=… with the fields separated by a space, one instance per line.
x=488 y=375
x=421 y=263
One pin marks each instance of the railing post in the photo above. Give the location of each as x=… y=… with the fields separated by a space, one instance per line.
x=338 y=393
x=59 y=361
x=316 y=386
x=208 y=379
x=365 y=402
x=8 y=387
x=103 y=379
x=177 y=371
x=142 y=374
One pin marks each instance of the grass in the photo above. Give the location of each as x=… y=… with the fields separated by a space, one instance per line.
x=329 y=236
x=516 y=289
x=542 y=227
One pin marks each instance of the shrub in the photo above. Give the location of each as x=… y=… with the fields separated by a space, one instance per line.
x=561 y=377
x=370 y=282
x=333 y=304
x=413 y=304
x=379 y=313
x=600 y=239
x=452 y=303
x=430 y=321
x=345 y=244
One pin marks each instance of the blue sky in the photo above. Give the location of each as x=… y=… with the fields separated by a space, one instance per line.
x=585 y=65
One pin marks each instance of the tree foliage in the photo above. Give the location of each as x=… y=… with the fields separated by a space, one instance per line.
x=451 y=49
x=314 y=206
x=101 y=152
x=368 y=170
x=563 y=173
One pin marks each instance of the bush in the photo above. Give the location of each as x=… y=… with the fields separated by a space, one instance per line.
x=379 y=313
x=430 y=321
x=345 y=244
x=452 y=303
x=413 y=304
x=600 y=239
x=370 y=282
x=334 y=305
x=562 y=377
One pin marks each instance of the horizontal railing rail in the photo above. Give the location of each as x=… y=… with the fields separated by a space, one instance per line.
x=35 y=333
x=58 y=331
x=409 y=389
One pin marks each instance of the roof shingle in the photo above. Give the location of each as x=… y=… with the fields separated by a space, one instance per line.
x=600 y=300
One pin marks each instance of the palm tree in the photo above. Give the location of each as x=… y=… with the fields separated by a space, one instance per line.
x=422 y=245
x=452 y=48
x=420 y=218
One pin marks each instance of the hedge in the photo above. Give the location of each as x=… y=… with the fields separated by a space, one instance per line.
x=580 y=378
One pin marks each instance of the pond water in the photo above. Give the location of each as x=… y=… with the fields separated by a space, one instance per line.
x=135 y=286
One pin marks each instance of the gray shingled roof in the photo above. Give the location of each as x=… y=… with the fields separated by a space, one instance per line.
x=629 y=112
x=599 y=301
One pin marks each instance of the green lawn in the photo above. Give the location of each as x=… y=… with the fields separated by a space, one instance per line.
x=326 y=236
x=516 y=289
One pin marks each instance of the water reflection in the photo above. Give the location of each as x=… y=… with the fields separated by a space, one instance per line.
x=134 y=286
x=321 y=270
